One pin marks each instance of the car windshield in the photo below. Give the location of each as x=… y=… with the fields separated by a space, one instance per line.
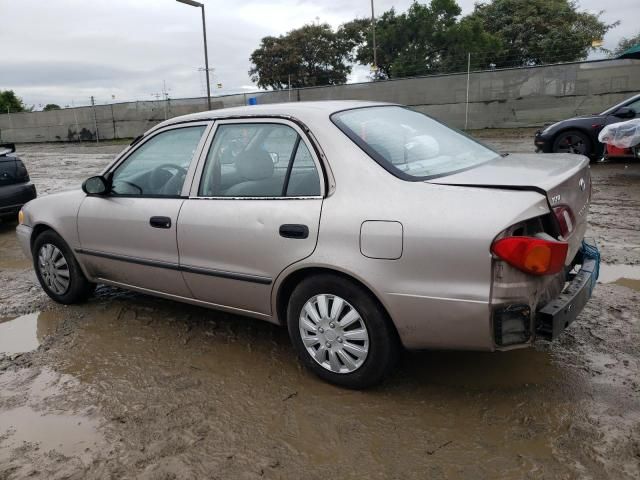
x=610 y=110
x=409 y=144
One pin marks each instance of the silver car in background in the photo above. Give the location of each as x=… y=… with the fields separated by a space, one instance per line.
x=363 y=227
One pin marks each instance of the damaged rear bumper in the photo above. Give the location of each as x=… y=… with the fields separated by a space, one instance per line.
x=554 y=317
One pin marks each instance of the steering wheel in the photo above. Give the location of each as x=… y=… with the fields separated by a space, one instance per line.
x=133 y=185
x=161 y=176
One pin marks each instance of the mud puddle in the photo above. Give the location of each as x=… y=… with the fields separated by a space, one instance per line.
x=625 y=275
x=26 y=332
x=69 y=435
x=195 y=393
x=44 y=426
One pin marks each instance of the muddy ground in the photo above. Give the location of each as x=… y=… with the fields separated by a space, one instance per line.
x=128 y=386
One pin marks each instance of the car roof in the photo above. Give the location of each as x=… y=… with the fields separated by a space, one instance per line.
x=306 y=112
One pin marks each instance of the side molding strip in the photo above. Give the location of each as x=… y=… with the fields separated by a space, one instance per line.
x=174 y=266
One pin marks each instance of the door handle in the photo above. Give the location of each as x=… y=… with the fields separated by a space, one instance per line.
x=160 y=222
x=294 y=231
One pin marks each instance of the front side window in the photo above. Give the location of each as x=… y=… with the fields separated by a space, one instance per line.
x=258 y=160
x=159 y=166
x=409 y=144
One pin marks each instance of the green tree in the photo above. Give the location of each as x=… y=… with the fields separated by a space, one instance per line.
x=540 y=31
x=427 y=38
x=51 y=106
x=307 y=56
x=10 y=103
x=625 y=44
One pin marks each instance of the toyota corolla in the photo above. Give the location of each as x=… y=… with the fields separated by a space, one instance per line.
x=362 y=227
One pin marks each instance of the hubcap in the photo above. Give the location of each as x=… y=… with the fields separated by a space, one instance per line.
x=54 y=268
x=333 y=333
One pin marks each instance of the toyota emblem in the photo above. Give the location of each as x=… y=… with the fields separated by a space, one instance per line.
x=582 y=184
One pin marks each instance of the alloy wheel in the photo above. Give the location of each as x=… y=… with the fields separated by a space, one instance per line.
x=572 y=144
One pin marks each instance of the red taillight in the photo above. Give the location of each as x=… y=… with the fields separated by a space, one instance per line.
x=532 y=255
x=566 y=220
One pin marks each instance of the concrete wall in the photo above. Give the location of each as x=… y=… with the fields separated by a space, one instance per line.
x=497 y=99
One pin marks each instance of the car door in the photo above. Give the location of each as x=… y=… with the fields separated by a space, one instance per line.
x=129 y=235
x=254 y=209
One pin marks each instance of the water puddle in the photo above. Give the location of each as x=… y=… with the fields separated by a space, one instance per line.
x=25 y=333
x=70 y=435
x=625 y=275
x=38 y=416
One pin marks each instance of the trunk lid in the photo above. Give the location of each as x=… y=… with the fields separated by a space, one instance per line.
x=564 y=179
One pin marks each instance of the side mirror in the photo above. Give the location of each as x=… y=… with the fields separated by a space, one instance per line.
x=97 y=185
x=625 y=112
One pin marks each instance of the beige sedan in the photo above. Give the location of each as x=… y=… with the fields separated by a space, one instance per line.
x=363 y=227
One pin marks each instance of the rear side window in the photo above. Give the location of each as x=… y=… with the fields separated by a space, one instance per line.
x=12 y=170
x=258 y=160
x=7 y=171
x=409 y=144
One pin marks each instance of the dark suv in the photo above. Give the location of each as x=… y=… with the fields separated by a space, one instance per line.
x=15 y=186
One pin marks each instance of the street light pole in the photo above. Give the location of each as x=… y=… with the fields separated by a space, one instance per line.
x=206 y=56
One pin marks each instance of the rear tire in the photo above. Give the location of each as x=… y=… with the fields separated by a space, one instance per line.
x=58 y=271
x=573 y=141
x=348 y=339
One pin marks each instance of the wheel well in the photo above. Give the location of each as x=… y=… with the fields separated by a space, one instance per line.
x=37 y=230
x=290 y=283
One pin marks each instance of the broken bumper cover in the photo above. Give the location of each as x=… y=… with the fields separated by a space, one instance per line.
x=558 y=314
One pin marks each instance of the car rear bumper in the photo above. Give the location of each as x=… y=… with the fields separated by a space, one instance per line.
x=23 y=232
x=558 y=314
x=13 y=197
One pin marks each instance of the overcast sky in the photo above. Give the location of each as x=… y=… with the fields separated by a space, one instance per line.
x=64 y=51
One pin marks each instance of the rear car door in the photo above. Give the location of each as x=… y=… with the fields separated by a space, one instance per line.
x=254 y=209
x=129 y=235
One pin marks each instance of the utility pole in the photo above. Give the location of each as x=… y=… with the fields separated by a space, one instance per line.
x=466 y=109
x=373 y=32
x=95 y=118
x=165 y=94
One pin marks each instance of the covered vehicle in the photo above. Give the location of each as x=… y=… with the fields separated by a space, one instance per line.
x=580 y=134
x=16 y=188
x=621 y=139
x=363 y=227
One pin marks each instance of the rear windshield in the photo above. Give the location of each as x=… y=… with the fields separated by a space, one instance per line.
x=409 y=144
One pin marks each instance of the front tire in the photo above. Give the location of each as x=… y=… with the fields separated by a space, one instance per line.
x=340 y=332
x=58 y=270
x=573 y=141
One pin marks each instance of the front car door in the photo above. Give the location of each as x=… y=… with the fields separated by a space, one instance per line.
x=128 y=237
x=254 y=209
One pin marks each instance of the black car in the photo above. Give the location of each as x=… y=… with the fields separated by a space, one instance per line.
x=580 y=134
x=15 y=187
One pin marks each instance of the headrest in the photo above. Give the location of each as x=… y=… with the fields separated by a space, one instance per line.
x=255 y=164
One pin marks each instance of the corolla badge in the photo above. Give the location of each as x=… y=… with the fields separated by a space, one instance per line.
x=582 y=184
